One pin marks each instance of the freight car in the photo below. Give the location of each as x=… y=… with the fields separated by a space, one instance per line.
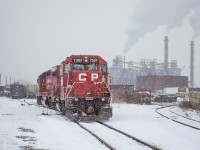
x=17 y=91
x=78 y=87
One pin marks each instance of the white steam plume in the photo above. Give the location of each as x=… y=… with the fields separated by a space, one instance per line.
x=151 y=14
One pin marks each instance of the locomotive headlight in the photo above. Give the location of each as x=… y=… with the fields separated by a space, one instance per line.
x=76 y=99
x=103 y=99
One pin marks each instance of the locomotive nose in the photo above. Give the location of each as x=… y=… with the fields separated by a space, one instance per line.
x=83 y=90
x=85 y=84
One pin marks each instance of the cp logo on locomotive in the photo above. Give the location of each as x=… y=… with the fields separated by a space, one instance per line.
x=83 y=76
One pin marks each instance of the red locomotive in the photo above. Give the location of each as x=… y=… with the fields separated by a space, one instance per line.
x=79 y=88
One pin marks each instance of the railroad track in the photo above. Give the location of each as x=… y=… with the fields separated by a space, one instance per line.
x=119 y=134
x=97 y=137
x=179 y=122
x=183 y=116
x=142 y=143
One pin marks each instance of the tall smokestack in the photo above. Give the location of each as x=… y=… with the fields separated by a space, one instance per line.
x=192 y=65
x=166 y=55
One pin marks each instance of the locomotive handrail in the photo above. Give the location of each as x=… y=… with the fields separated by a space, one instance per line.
x=106 y=86
x=69 y=92
x=66 y=99
x=109 y=91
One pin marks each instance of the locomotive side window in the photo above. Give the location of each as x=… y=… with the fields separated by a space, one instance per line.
x=67 y=68
x=54 y=69
x=61 y=72
x=103 y=69
x=78 y=67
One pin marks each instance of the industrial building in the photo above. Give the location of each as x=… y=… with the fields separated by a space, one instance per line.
x=150 y=74
x=155 y=82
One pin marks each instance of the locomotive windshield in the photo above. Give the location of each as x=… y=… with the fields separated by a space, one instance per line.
x=91 y=67
x=85 y=67
x=78 y=67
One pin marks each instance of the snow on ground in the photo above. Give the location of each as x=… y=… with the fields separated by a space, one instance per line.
x=119 y=141
x=23 y=126
x=143 y=122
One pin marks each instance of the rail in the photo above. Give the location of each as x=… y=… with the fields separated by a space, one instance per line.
x=154 y=147
x=97 y=137
x=183 y=116
x=173 y=119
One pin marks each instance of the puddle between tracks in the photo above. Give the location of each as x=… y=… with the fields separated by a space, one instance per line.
x=27 y=138
x=6 y=114
x=25 y=130
x=30 y=140
x=31 y=148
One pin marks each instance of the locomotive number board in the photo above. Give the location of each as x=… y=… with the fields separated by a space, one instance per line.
x=81 y=60
x=93 y=60
x=78 y=60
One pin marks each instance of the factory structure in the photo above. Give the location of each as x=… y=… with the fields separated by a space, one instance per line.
x=150 y=74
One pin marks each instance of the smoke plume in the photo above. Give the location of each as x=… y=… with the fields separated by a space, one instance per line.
x=150 y=14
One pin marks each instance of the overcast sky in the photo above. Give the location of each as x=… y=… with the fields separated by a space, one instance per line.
x=36 y=35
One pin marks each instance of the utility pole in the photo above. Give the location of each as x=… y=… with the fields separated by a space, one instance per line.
x=6 y=80
x=166 y=55
x=0 y=79
x=192 y=65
